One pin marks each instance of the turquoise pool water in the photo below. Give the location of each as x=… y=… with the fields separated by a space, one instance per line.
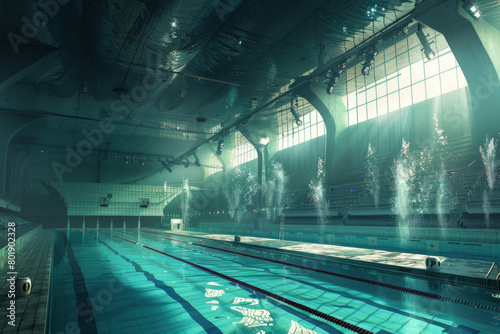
x=104 y=284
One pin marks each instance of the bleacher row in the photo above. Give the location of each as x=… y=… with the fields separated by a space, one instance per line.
x=350 y=202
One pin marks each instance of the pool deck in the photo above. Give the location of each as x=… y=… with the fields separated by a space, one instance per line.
x=33 y=261
x=459 y=270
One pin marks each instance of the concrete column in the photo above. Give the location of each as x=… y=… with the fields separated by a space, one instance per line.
x=68 y=225
x=139 y=222
x=111 y=225
x=97 y=225
x=83 y=224
x=334 y=114
x=475 y=46
x=124 y=224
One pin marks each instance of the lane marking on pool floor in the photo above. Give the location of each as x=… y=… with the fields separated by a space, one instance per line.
x=363 y=280
x=304 y=308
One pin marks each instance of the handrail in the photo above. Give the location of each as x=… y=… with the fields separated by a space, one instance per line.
x=491 y=269
x=498 y=277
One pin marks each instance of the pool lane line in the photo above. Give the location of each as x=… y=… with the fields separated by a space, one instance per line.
x=304 y=308
x=81 y=293
x=83 y=231
x=363 y=280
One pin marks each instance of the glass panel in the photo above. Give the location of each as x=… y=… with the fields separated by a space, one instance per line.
x=353 y=116
x=404 y=77
x=461 y=78
x=392 y=85
x=433 y=87
x=372 y=109
x=382 y=105
x=351 y=100
x=393 y=100
x=446 y=61
x=381 y=89
x=431 y=68
x=321 y=129
x=417 y=71
x=390 y=53
x=403 y=60
x=405 y=97
x=370 y=94
x=419 y=92
x=362 y=113
x=361 y=98
x=379 y=72
x=449 y=81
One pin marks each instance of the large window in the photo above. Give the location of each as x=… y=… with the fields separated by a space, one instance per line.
x=290 y=133
x=244 y=151
x=401 y=76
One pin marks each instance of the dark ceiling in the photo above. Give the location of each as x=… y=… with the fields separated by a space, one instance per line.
x=154 y=67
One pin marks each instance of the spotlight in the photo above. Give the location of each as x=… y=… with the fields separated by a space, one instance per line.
x=296 y=115
x=426 y=47
x=369 y=57
x=220 y=144
x=264 y=141
x=472 y=10
x=335 y=73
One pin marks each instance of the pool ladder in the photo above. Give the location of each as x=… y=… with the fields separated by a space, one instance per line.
x=491 y=269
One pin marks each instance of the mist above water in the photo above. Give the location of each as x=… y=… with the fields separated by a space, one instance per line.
x=240 y=189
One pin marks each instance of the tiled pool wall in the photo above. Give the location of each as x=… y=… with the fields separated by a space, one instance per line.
x=20 y=243
x=462 y=241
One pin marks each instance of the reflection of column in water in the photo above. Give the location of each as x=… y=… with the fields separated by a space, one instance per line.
x=111 y=225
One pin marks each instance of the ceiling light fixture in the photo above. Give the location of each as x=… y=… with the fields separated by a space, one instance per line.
x=472 y=10
x=220 y=144
x=295 y=114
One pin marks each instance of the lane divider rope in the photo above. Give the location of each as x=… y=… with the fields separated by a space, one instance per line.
x=302 y=307
x=363 y=280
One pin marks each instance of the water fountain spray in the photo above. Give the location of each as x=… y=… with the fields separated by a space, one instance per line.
x=372 y=174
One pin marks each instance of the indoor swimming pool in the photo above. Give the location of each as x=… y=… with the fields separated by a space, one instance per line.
x=126 y=281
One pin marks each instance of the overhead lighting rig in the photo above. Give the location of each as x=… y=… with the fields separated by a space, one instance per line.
x=296 y=115
x=369 y=58
x=335 y=75
x=426 y=46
